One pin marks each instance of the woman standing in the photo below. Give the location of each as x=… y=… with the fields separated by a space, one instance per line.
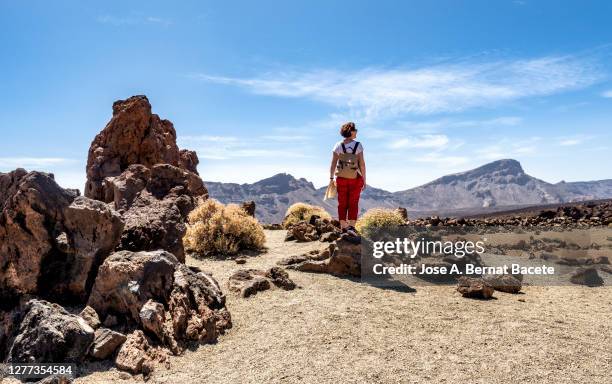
x=349 y=168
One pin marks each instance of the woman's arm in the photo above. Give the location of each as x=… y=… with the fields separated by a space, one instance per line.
x=332 y=168
x=362 y=167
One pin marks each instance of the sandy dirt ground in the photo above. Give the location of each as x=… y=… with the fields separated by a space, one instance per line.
x=335 y=330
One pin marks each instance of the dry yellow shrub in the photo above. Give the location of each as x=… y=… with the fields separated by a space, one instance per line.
x=215 y=228
x=303 y=211
x=378 y=218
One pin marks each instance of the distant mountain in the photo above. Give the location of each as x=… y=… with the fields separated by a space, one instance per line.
x=494 y=186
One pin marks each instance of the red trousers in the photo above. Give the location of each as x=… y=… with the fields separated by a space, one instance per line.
x=349 y=191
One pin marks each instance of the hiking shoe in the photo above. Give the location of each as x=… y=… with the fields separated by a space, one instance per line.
x=352 y=231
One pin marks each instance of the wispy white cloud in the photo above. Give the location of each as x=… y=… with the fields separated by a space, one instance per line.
x=607 y=94
x=508 y=148
x=132 y=20
x=32 y=162
x=423 y=141
x=374 y=93
x=573 y=140
x=230 y=147
x=433 y=125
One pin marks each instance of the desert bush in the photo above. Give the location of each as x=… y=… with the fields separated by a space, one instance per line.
x=303 y=211
x=217 y=229
x=378 y=218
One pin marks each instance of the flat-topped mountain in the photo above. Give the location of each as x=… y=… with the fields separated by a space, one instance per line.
x=493 y=186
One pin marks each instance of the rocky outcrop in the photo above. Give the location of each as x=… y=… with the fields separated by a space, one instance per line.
x=49 y=334
x=51 y=241
x=247 y=282
x=135 y=165
x=134 y=135
x=140 y=288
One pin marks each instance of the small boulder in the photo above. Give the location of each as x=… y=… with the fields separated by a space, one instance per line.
x=587 y=276
x=248 y=282
x=474 y=287
x=280 y=278
x=504 y=283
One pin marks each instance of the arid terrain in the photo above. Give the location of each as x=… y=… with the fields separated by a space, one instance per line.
x=334 y=330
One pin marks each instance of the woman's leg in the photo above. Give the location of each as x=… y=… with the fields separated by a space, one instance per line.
x=353 y=200
x=343 y=199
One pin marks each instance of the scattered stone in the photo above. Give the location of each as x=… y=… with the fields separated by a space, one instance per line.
x=474 y=287
x=106 y=342
x=302 y=232
x=587 y=276
x=606 y=269
x=280 y=278
x=344 y=260
x=91 y=317
x=248 y=282
x=240 y=260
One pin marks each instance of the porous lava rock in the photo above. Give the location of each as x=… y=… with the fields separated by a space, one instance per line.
x=474 y=287
x=51 y=240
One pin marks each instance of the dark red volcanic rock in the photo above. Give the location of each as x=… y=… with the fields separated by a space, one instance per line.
x=139 y=288
x=51 y=241
x=135 y=164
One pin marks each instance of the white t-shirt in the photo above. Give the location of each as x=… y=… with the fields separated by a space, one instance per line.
x=349 y=147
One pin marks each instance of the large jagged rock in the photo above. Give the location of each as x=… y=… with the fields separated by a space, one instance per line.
x=154 y=204
x=134 y=135
x=51 y=240
x=140 y=288
x=135 y=164
x=49 y=334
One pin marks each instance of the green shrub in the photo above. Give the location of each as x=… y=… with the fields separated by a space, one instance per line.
x=378 y=218
x=214 y=228
x=303 y=211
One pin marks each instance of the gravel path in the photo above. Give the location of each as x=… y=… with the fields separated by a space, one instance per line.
x=335 y=330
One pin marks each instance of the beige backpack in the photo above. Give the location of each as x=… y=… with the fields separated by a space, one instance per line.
x=348 y=164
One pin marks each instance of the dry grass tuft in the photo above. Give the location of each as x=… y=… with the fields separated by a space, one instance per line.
x=378 y=218
x=217 y=229
x=303 y=211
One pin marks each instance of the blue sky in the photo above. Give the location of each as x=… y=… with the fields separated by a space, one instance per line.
x=261 y=87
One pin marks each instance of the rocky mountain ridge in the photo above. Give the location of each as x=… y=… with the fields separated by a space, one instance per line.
x=495 y=186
